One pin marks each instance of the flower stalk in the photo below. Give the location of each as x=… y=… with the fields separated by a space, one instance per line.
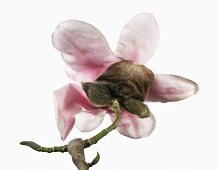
x=116 y=108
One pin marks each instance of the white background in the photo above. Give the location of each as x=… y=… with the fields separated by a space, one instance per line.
x=30 y=69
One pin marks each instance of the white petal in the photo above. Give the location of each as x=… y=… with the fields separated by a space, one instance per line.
x=138 y=39
x=87 y=121
x=134 y=127
x=168 y=88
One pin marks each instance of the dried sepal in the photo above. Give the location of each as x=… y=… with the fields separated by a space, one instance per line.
x=135 y=107
x=98 y=93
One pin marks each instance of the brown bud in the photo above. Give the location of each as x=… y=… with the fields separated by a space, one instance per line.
x=125 y=81
x=129 y=80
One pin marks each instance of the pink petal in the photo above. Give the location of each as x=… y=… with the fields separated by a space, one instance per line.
x=134 y=127
x=86 y=121
x=70 y=100
x=138 y=39
x=168 y=88
x=84 y=49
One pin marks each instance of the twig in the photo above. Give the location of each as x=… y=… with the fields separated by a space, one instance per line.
x=76 y=146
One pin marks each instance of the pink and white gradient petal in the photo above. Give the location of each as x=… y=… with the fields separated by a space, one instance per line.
x=169 y=88
x=138 y=39
x=69 y=101
x=134 y=127
x=84 y=49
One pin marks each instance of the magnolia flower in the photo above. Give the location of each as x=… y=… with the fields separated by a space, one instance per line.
x=89 y=58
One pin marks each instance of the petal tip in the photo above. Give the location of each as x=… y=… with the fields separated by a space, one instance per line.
x=146 y=14
x=63 y=138
x=197 y=88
